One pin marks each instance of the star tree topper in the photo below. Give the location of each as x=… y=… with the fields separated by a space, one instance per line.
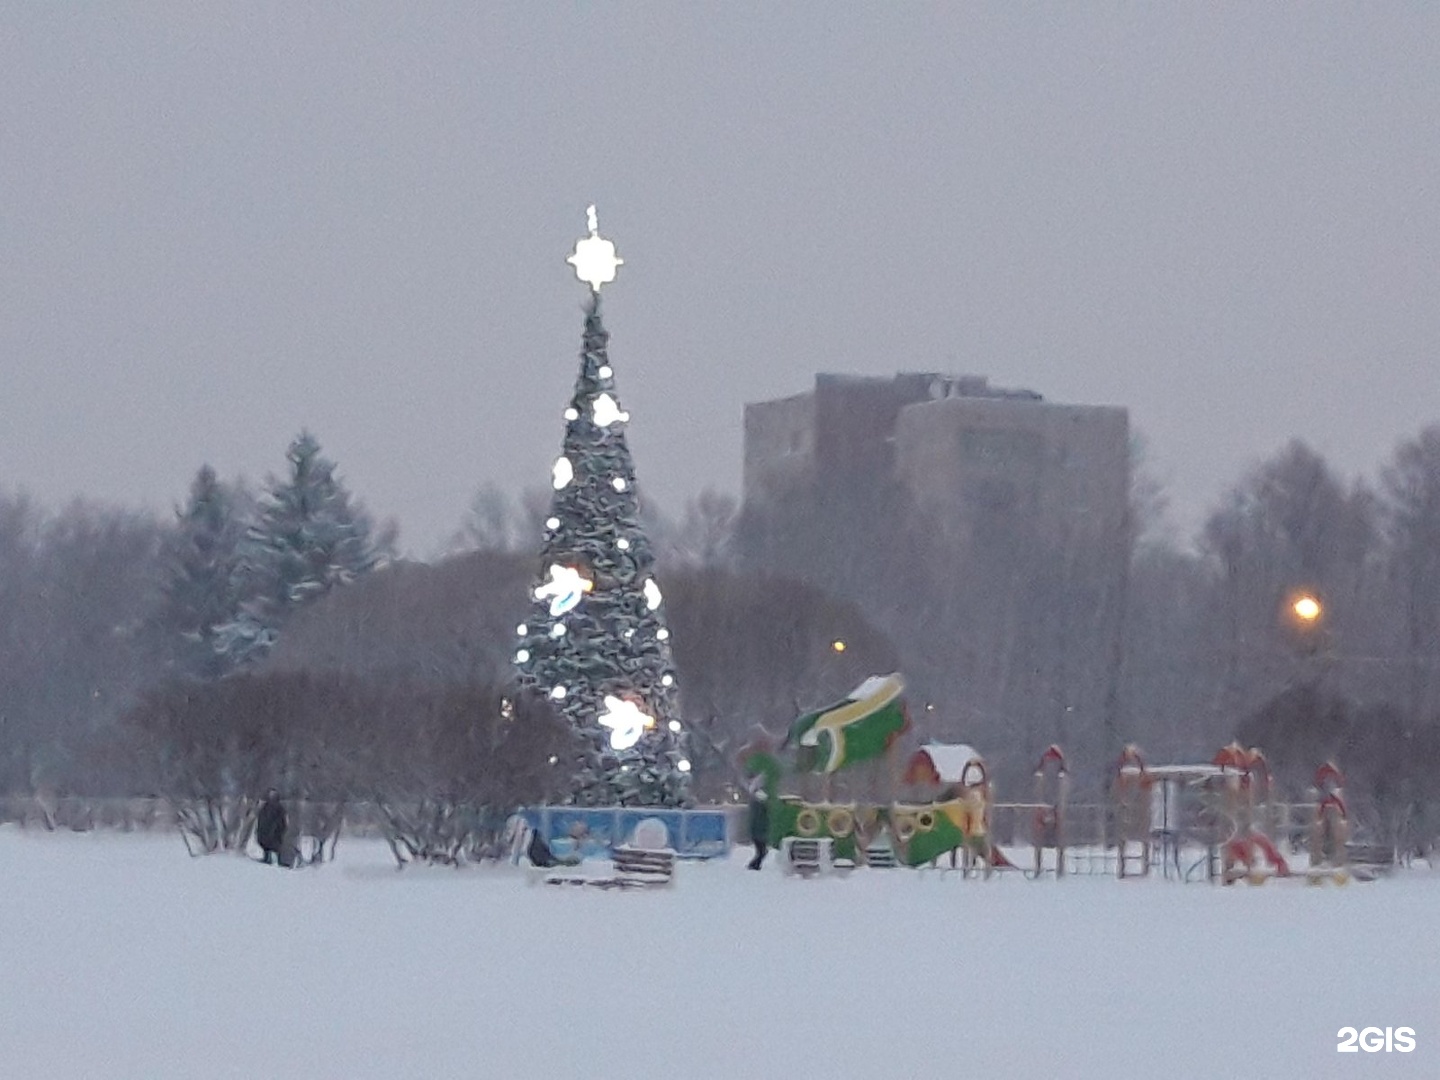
x=594 y=257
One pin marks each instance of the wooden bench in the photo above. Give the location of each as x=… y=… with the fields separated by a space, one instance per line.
x=633 y=868
x=637 y=867
x=1381 y=856
x=1369 y=861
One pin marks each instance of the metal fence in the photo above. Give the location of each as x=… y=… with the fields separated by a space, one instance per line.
x=704 y=832
x=79 y=814
x=1090 y=832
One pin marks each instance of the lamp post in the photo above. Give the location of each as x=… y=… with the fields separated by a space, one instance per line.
x=1305 y=614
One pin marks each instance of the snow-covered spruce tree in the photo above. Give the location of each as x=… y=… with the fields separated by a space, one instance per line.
x=596 y=639
x=200 y=589
x=309 y=538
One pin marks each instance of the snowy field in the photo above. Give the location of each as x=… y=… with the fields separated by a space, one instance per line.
x=121 y=957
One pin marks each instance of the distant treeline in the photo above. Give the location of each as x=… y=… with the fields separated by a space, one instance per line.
x=273 y=637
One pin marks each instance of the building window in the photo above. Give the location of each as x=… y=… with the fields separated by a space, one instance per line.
x=999 y=448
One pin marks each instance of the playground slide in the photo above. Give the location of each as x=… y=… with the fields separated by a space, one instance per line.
x=1243 y=848
x=999 y=860
x=1265 y=844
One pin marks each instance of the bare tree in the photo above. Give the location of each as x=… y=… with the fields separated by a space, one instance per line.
x=705 y=535
x=1393 y=791
x=494 y=522
x=1412 y=531
x=442 y=624
x=458 y=763
x=21 y=649
x=752 y=649
x=1170 y=666
x=445 y=765
x=73 y=643
x=1290 y=525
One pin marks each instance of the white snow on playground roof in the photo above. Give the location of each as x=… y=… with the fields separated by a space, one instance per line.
x=950 y=759
x=1183 y=772
x=875 y=684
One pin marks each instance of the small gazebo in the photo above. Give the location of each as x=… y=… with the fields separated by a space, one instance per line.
x=940 y=765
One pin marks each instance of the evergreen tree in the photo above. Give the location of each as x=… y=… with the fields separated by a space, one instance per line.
x=596 y=639
x=309 y=538
x=200 y=559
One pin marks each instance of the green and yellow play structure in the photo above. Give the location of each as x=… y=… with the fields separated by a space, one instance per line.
x=862 y=728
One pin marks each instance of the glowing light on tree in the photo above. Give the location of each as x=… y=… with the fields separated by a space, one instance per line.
x=607 y=412
x=626 y=721
x=565 y=588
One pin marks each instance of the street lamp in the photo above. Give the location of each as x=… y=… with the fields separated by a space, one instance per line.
x=1307 y=609
x=1306 y=615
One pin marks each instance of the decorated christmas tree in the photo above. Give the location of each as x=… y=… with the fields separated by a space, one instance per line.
x=596 y=640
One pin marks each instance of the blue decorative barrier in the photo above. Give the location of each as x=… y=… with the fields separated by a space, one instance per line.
x=694 y=834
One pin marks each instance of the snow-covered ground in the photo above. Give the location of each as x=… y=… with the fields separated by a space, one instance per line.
x=121 y=957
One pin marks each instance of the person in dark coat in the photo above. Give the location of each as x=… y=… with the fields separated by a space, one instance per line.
x=759 y=826
x=270 y=828
x=539 y=852
x=543 y=855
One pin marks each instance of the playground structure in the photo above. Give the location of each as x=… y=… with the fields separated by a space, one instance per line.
x=1221 y=805
x=1216 y=821
x=1227 y=810
x=958 y=781
x=1248 y=853
x=946 y=811
x=1131 y=795
x=1330 y=830
x=1052 y=791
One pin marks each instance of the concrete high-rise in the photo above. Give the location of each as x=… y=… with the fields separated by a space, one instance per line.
x=966 y=451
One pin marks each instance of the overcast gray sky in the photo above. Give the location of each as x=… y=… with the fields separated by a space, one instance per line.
x=222 y=222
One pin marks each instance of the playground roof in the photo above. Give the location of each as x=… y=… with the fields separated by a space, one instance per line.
x=1182 y=772
x=950 y=759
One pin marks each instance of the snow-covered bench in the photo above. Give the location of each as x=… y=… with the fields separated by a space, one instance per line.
x=638 y=867
x=648 y=859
